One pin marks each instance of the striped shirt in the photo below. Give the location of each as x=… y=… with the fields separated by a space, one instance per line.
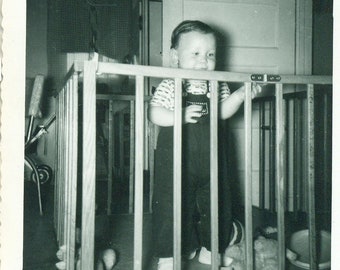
x=164 y=95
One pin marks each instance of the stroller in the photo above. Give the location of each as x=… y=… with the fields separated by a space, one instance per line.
x=41 y=173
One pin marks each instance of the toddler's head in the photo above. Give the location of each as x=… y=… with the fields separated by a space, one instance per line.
x=193 y=46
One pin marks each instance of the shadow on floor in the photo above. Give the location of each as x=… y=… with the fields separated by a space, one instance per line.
x=40 y=244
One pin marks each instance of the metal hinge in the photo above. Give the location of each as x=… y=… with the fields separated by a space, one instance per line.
x=265 y=77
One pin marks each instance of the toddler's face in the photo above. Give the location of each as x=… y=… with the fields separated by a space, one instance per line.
x=196 y=51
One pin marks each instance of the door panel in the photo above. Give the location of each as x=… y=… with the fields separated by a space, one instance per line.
x=257 y=35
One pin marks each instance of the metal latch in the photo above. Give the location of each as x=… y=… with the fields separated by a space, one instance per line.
x=265 y=77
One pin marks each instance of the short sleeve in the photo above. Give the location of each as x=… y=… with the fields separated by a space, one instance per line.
x=224 y=91
x=164 y=94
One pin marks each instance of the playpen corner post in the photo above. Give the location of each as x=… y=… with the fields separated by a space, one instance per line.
x=89 y=165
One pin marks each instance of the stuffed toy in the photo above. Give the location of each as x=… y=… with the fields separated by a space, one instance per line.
x=265 y=253
x=234 y=257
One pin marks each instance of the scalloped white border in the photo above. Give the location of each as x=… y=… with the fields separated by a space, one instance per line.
x=12 y=132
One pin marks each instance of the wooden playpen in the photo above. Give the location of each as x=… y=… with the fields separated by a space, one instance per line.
x=71 y=143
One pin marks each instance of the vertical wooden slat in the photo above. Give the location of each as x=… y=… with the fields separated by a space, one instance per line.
x=66 y=163
x=57 y=173
x=139 y=151
x=60 y=178
x=74 y=163
x=287 y=145
x=146 y=136
x=311 y=177
x=262 y=150
x=89 y=165
x=67 y=169
x=62 y=168
x=55 y=201
x=72 y=180
x=301 y=156
x=110 y=158
x=248 y=176
x=177 y=173
x=214 y=174
x=296 y=137
x=132 y=153
x=280 y=177
x=122 y=151
x=271 y=157
x=151 y=163
x=326 y=146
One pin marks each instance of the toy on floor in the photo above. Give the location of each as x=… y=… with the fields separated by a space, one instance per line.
x=265 y=253
x=107 y=260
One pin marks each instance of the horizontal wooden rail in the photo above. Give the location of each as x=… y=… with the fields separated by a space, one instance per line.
x=162 y=72
x=119 y=97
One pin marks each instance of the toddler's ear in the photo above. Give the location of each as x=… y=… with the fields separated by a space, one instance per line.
x=173 y=58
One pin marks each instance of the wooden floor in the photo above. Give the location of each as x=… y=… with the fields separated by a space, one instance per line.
x=115 y=231
x=40 y=244
x=122 y=243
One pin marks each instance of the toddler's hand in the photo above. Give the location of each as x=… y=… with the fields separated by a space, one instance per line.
x=255 y=90
x=191 y=113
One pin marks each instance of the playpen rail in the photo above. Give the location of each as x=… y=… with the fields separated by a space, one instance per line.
x=90 y=70
x=104 y=69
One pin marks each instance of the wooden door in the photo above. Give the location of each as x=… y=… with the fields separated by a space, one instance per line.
x=265 y=36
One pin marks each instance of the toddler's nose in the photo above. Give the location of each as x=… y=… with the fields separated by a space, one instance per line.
x=203 y=61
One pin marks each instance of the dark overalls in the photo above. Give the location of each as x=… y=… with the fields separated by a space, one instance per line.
x=195 y=188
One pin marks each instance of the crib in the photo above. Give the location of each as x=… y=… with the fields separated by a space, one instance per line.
x=74 y=146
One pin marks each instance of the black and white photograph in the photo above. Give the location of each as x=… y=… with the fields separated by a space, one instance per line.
x=169 y=134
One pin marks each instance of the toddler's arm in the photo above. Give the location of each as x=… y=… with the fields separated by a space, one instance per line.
x=230 y=105
x=165 y=117
x=161 y=116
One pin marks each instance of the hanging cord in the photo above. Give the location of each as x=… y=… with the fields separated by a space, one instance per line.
x=93 y=25
x=93 y=3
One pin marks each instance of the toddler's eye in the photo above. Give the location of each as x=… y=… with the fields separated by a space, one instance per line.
x=196 y=53
x=211 y=54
